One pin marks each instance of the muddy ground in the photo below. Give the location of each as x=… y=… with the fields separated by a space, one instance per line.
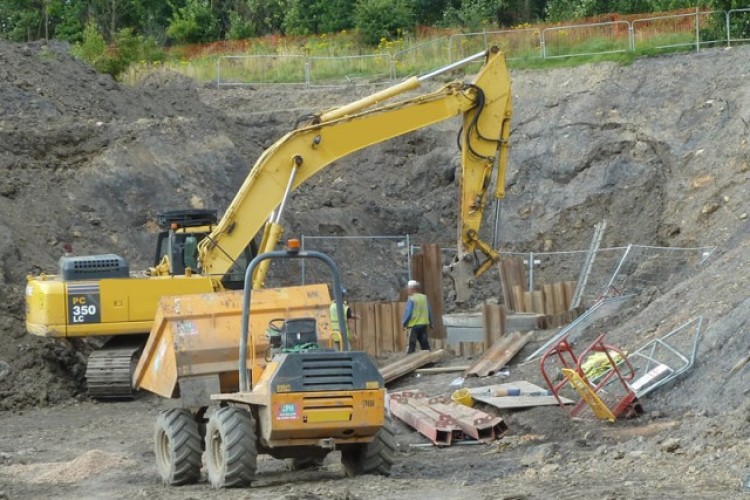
x=659 y=148
x=91 y=450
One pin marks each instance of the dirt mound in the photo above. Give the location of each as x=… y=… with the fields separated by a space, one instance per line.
x=659 y=148
x=89 y=162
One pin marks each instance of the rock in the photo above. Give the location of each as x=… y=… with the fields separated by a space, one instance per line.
x=197 y=202
x=743 y=216
x=4 y=371
x=710 y=208
x=549 y=469
x=670 y=445
x=8 y=190
x=538 y=455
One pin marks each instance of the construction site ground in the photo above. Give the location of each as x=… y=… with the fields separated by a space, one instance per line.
x=659 y=148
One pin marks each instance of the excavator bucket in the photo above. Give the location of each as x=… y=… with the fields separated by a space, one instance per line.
x=193 y=348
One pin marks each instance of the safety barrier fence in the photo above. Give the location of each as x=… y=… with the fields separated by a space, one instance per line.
x=659 y=33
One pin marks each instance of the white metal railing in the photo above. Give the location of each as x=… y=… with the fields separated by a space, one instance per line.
x=695 y=29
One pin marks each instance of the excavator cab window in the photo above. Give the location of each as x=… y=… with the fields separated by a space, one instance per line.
x=190 y=252
x=182 y=249
x=235 y=278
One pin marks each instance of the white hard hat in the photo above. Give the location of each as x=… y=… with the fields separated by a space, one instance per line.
x=413 y=284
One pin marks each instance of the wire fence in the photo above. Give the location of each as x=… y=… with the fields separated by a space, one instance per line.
x=655 y=34
x=628 y=270
x=632 y=269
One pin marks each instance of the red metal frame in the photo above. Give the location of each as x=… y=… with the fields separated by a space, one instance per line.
x=627 y=406
x=442 y=421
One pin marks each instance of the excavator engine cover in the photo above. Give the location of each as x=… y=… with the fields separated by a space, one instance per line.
x=91 y=267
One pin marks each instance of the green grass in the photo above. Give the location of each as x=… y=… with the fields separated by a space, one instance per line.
x=410 y=57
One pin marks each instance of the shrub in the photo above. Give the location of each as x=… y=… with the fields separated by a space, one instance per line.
x=194 y=23
x=239 y=28
x=378 y=19
x=127 y=49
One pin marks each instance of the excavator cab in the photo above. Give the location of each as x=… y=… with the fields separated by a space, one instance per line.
x=181 y=232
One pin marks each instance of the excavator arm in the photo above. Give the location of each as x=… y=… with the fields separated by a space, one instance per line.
x=486 y=108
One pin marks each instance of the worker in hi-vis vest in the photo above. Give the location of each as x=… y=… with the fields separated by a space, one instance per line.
x=335 y=329
x=417 y=317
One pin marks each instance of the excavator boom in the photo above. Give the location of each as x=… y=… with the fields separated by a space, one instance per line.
x=486 y=108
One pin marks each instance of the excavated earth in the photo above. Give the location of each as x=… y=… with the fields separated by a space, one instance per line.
x=659 y=148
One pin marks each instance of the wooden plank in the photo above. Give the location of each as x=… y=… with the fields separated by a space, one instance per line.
x=518 y=298
x=497 y=356
x=409 y=363
x=401 y=336
x=558 y=292
x=519 y=272
x=537 y=302
x=506 y=285
x=385 y=327
x=483 y=394
x=493 y=316
x=417 y=267
x=549 y=299
x=366 y=327
x=432 y=286
x=443 y=369
x=569 y=288
x=477 y=348
x=487 y=323
x=527 y=304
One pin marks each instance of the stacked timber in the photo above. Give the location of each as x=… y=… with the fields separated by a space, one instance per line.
x=499 y=355
x=409 y=363
x=553 y=300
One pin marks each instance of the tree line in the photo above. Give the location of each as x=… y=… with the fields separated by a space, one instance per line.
x=166 y=22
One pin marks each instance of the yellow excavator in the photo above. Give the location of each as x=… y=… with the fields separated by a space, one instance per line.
x=97 y=296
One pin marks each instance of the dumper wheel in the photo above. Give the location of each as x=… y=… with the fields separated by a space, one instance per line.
x=177 y=445
x=231 y=450
x=372 y=458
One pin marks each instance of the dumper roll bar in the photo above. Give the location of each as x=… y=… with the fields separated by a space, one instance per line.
x=291 y=253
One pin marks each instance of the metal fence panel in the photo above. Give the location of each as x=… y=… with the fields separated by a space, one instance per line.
x=422 y=58
x=516 y=44
x=586 y=39
x=679 y=31
x=349 y=69
x=260 y=69
x=670 y=32
x=654 y=270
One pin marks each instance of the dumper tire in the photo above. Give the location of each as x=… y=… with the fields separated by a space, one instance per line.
x=376 y=457
x=177 y=446
x=231 y=448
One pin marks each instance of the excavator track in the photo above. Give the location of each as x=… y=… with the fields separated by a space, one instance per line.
x=109 y=372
